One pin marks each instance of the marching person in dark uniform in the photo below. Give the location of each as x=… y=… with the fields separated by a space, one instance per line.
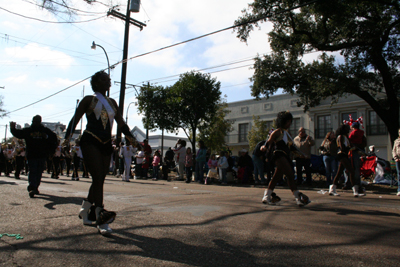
x=40 y=141
x=97 y=147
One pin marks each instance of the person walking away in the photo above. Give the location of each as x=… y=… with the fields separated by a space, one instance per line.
x=304 y=143
x=396 y=157
x=189 y=165
x=40 y=142
x=258 y=158
x=223 y=166
x=329 y=151
x=155 y=164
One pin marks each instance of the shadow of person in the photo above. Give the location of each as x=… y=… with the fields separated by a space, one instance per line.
x=57 y=200
x=171 y=250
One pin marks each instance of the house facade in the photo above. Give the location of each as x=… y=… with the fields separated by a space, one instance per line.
x=317 y=121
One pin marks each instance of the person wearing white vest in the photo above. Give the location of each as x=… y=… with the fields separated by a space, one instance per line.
x=97 y=147
x=127 y=152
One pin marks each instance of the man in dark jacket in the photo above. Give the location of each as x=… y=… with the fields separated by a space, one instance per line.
x=40 y=141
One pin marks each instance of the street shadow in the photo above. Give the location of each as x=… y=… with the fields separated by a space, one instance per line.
x=9 y=183
x=57 y=200
x=344 y=211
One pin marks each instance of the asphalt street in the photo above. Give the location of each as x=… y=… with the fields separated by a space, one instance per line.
x=162 y=223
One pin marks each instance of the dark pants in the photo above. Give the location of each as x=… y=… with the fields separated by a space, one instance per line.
x=77 y=162
x=36 y=167
x=68 y=164
x=56 y=166
x=189 y=173
x=19 y=165
x=306 y=163
x=155 y=172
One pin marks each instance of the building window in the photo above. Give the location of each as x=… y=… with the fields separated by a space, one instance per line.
x=243 y=132
x=324 y=126
x=375 y=125
x=345 y=116
x=294 y=127
x=267 y=106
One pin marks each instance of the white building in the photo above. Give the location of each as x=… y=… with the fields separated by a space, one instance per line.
x=317 y=121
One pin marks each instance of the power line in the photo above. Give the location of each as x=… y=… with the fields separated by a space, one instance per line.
x=56 y=22
x=166 y=47
x=71 y=8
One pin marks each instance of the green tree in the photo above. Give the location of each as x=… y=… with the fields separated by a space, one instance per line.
x=154 y=104
x=364 y=32
x=258 y=132
x=213 y=132
x=195 y=98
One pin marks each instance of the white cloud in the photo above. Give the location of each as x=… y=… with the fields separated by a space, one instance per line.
x=16 y=79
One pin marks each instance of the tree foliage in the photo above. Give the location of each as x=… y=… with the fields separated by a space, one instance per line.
x=196 y=97
x=213 y=132
x=364 y=32
x=191 y=102
x=258 y=132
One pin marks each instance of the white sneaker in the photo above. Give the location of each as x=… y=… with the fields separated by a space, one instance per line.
x=264 y=199
x=332 y=190
x=104 y=229
x=398 y=194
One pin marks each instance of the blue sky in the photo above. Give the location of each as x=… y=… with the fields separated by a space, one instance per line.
x=39 y=59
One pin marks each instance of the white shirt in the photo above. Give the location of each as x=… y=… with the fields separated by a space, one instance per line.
x=140 y=157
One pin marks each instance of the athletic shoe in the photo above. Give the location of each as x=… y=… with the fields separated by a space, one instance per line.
x=398 y=194
x=31 y=193
x=103 y=216
x=270 y=200
x=104 y=229
x=332 y=190
x=302 y=200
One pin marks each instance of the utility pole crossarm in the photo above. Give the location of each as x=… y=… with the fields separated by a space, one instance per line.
x=132 y=21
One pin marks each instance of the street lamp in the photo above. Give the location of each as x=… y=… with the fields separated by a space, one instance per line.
x=127 y=111
x=94 y=48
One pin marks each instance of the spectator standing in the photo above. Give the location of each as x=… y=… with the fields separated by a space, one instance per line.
x=169 y=158
x=304 y=143
x=329 y=151
x=200 y=161
x=212 y=167
x=9 y=155
x=67 y=157
x=127 y=152
x=223 y=166
x=77 y=158
x=357 y=139
x=56 y=161
x=180 y=154
x=19 y=154
x=155 y=164
x=146 y=165
x=258 y=158
x=139 y=161
x=40 y=141
x=245 y=165
x=396 y=157
x=189 y=165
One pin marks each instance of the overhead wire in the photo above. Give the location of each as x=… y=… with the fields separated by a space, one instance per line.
x=166 y=47
x=55 y=22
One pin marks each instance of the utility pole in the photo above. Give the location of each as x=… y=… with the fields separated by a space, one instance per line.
x=128 y=21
